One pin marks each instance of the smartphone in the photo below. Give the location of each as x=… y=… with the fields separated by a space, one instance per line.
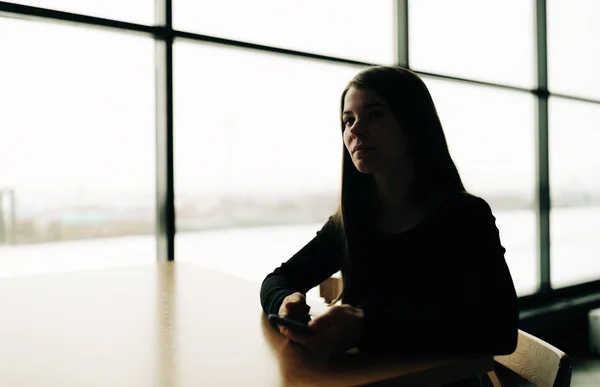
x=293 y=325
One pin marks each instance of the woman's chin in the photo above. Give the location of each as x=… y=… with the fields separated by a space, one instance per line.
x=364 y=167
x=366 y=163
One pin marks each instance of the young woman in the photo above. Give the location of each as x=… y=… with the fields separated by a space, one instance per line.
x=422 y=263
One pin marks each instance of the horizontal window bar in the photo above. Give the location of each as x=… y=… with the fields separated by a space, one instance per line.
x=473 y=81
x=32 y=13
x=559 y=294
x=575 y=98
x=259 y=47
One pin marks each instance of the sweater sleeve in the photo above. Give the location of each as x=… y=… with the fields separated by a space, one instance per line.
x=313 y=264
x=482 y=320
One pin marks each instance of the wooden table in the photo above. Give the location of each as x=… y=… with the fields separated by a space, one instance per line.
x=172 y=324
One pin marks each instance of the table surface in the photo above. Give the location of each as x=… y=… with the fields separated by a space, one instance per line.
x=173 y=324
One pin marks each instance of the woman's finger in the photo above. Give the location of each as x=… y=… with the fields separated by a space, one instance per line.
x=297 y=307
x=308 y=341
x=285 y=332
x=322 y=322
x=301 y=339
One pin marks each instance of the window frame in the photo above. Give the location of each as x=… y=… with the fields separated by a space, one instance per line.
x=164 y=35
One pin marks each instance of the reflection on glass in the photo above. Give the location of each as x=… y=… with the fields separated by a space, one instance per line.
x=77 y=148
x=490 y=134
x=353 y=29
x=257 y=154
x=574 y=47
x=134 y=11
x=575 y=191
x=472 y=39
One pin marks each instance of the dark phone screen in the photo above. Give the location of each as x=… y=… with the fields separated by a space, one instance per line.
x=293 y=325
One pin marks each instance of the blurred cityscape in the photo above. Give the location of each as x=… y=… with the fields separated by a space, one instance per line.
x=199 y=213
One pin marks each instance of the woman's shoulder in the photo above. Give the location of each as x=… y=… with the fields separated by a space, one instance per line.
x=468 y=201
x=465 y=206
x=332 y=229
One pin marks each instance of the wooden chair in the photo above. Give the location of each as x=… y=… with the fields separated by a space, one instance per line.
x=330 y=289
x=538 y=362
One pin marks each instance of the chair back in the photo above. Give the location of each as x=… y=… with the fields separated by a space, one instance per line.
x=538 y=362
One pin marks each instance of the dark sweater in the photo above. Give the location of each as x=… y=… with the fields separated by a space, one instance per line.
x=442 y=287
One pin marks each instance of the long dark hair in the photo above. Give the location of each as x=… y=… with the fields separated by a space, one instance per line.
x=434 y=172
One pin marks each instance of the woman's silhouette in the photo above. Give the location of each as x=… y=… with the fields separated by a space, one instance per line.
x=421 y=259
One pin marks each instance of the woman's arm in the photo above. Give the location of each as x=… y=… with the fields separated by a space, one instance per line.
x=483 y=320
x=310 y=266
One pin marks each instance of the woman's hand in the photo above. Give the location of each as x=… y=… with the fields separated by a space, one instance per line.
x=294 y=306
x=338 y=330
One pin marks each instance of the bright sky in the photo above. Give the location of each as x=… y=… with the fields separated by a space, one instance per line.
x=77 y=120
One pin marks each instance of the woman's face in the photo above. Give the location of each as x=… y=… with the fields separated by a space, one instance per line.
x=372 y=134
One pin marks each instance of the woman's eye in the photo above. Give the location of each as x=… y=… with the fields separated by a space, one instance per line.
x=348 y=121
x=375 y=114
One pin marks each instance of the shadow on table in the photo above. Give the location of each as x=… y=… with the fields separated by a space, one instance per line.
x=299 y=366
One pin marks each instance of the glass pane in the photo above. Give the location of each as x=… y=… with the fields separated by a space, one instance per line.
x=575 y=191
x=76 y=148
x=134 y=11
x=352 y=29
x=483 y=40
x=574 y=47
x=490 y=133
x=258 y=155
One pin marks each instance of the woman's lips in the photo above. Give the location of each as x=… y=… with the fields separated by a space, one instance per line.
x=362 y=148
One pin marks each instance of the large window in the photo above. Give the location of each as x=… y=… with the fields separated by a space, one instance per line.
x=77 y=148
x=575 y=189
x=574 y=132
x=258 y=152
x=248 y=130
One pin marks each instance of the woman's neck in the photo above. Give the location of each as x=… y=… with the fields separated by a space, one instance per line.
x=398 y=209
x=394 y=194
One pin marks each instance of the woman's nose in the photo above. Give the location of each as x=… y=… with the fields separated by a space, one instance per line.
x=357 y=129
